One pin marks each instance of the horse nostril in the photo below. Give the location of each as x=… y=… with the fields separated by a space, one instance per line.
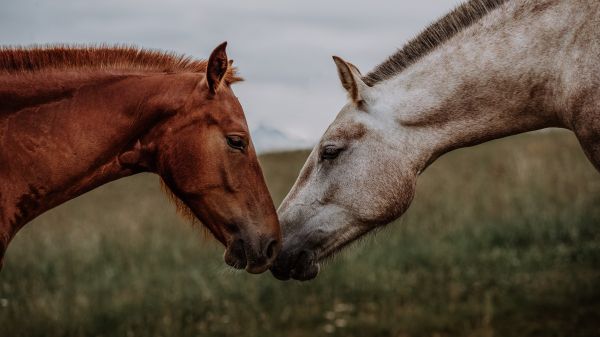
x=271 y=249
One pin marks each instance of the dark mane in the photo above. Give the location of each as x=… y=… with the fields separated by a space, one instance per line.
x=38 y=58
x=437 y=33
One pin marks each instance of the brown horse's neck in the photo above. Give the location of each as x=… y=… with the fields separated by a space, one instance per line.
x=61 y=134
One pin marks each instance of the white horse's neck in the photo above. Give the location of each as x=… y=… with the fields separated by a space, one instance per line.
x=490 y=81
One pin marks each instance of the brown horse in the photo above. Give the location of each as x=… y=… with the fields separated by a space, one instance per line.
x=74 y=118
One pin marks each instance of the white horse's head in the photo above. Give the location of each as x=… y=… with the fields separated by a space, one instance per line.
x=461 y=82
x=359 y=176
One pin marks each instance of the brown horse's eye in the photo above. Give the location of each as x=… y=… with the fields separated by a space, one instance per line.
x=236 y=142
x=330 y=152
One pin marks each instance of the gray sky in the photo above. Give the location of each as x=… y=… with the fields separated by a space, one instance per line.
x=282 y=48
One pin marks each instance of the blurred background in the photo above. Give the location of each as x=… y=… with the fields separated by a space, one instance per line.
x=502 y=239
x=282 y=48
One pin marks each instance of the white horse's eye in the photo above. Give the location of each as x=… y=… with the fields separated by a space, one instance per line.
x=330 y=152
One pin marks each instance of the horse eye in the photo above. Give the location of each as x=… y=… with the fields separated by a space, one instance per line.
x=330 y=152
x=236 y=142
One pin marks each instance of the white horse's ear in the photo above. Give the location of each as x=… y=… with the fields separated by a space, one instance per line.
x=351 y=79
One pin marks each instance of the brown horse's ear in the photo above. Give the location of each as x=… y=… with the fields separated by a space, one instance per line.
x=216 y=68
x=351 y=79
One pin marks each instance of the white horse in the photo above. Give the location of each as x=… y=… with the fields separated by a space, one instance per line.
x=489 y=69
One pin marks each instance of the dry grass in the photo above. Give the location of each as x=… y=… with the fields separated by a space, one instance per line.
x=502 y=240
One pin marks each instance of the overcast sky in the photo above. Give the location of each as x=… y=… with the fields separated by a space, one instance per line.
x=282 y=48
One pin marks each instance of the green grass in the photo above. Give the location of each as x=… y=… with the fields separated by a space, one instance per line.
x=501 y=240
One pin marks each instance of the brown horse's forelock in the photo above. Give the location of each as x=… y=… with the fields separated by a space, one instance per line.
x=100 y=57
x=437 y=33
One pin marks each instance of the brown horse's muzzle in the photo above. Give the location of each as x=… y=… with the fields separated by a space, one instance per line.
x=256 y=255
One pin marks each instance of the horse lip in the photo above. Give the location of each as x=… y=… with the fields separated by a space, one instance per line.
x=235 y=255
x=300 y=266
x=280 y=275
x=253 y=269
x=307 y=273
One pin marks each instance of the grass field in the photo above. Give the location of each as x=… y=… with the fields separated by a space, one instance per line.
x=502 y=240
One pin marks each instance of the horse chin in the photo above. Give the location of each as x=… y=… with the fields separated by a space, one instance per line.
x=302 y=266
x=308 y=263
x=307 y=272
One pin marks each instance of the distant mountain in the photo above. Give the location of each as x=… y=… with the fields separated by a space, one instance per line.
x=269 y=139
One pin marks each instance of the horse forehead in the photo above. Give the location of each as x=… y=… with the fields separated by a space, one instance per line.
x=347 y=131
x=224 y=110
x=352 y=123
x=230 y=105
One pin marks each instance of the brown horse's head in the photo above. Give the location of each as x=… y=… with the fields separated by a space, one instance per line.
x=206 y=158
